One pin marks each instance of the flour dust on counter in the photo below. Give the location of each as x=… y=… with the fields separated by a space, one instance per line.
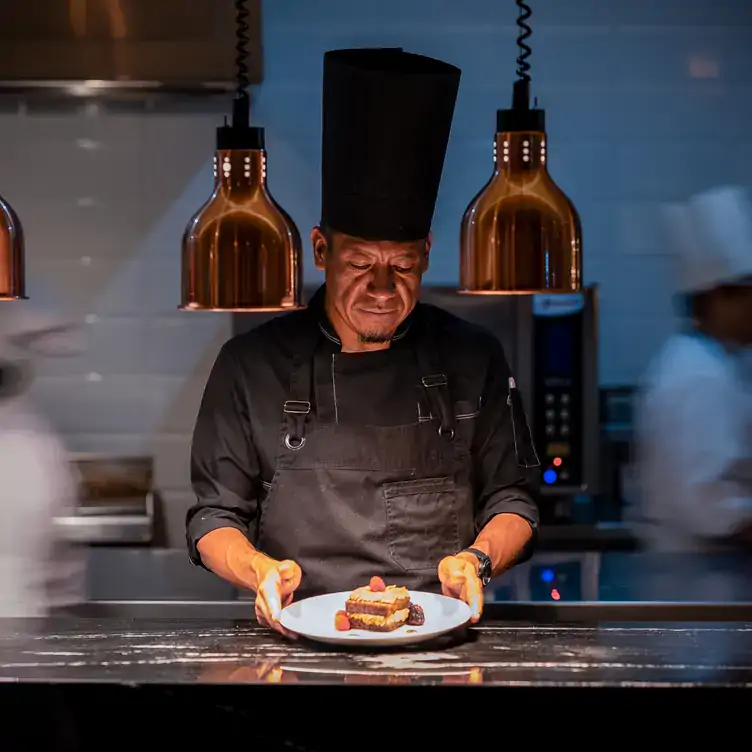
x=201 y=652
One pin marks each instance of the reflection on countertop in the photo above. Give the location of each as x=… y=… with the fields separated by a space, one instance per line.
x=493 y=653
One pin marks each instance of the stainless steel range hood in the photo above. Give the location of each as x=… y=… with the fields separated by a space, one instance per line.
x=94 y=49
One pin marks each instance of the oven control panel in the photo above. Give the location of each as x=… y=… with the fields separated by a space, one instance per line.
x=558 y=387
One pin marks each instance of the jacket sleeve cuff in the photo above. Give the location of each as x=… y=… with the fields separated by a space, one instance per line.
x=205 y=522
x=519 y=505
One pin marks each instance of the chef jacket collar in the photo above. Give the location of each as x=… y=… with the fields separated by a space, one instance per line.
x=316 y=306
x=721 y=349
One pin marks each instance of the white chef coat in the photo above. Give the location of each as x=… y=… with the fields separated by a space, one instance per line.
x=38 y=570
x=694 y=447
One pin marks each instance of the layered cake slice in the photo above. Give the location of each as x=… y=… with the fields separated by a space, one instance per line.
x=377 y=607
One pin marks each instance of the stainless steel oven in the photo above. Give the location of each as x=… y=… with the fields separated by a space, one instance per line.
x=551 y=345
x=116 y=503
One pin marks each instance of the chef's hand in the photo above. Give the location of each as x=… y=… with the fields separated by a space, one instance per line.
x=277 y=582
x=459 y=579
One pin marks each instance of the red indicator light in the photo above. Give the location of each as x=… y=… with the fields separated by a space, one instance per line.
x=557 y=461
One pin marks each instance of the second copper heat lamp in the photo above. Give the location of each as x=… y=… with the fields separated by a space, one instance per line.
x=241 y=251
x=521 y=234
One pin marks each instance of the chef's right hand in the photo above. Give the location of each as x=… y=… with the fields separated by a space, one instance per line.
x=277 y=583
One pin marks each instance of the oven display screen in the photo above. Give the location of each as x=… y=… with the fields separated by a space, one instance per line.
x=559 y=346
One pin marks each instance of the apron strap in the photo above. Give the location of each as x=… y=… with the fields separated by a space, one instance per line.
x=298 y=406
x=434 y=382
x=295 y=415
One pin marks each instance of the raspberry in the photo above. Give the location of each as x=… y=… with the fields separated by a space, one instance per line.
x=377 y=585
x=341 y=621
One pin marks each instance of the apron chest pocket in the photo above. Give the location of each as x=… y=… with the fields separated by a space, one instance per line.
x=422 y=521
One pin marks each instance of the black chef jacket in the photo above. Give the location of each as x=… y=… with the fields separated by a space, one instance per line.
x=237 y=431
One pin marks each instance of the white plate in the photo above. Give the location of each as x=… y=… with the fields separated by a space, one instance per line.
x=314 y=618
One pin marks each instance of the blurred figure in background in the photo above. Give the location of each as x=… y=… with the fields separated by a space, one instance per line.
x=39 y=571
x=694 y=438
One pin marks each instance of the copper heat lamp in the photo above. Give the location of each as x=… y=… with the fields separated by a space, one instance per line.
x=520 y=234
x=12 y=276
x=241 y=250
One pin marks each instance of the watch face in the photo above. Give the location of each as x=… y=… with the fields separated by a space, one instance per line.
x=484 y=572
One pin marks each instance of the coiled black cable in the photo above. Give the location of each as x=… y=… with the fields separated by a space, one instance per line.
x=241 y=33
x=523 y=67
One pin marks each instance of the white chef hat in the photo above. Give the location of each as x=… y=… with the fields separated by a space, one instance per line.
x=711 y=235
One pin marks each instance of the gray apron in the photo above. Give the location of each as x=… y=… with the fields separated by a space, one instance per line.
x=350 y=502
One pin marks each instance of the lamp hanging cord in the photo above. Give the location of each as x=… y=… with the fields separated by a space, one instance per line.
x=241 y=33
x=525 y=33
x=521 y=90
x=241 y=103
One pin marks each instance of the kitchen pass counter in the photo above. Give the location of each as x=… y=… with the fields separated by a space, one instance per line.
x=492 y=653
x=140 y=668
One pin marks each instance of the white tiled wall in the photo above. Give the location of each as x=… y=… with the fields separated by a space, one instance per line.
x=104 y=198
x=647 y=101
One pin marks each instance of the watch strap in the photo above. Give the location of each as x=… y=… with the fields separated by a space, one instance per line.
x=484 y=570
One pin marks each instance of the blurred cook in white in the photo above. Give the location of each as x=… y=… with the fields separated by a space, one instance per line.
x=695 y=419
x=39 y=570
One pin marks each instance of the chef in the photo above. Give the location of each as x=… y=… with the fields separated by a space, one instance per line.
x=369 y=434
x=695 y=424
x=40 y=570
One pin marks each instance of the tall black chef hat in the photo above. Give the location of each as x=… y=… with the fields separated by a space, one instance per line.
x=386 y=121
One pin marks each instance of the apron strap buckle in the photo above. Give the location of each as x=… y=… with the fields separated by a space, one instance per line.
x=296 y=407
x=437 y=389
x=296 y=411
x=437 y=379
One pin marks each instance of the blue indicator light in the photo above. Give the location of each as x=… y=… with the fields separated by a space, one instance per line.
x=547 y=575
x=550 y=476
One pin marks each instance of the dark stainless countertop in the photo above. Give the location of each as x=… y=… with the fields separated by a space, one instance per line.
x=213 y=650
x=209 y=680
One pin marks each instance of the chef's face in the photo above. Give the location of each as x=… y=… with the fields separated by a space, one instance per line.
x=739 y=314
x=727 y=313
x=371 y=286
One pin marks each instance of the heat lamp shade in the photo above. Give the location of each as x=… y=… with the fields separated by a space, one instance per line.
x=12 y=263
x=521 y=234
x=241 y=251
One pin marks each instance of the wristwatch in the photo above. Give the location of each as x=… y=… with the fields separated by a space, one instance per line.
x=484 y=566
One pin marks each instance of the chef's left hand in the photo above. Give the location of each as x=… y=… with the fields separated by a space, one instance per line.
x=459 y=579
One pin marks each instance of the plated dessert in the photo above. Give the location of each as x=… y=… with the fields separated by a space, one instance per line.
x=378 y=607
